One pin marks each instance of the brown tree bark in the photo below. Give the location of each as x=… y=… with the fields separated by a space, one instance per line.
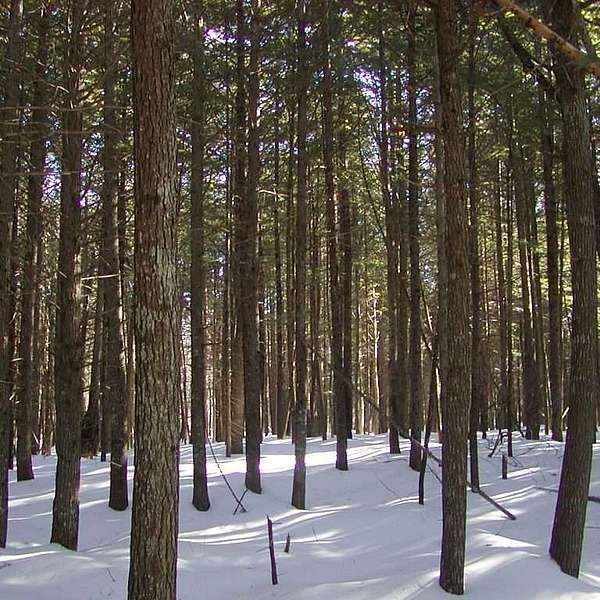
x=153 y=563
x=569 y=518
x=7 y=199
x=476 y=343
x=392 y=243
x=115 y=388
x=456 y=405
x=341 y=462
x=415 y=362
x=27 y=400
x=302 y=81
x=552 y=254
x=200 y=498
x=248 y=281
x=90 y=424
x=67 y=364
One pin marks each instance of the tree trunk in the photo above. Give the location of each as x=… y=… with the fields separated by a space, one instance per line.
x=114 y=357
x=247 y=264
x=90 y=425
x=415 y=364
x=10 y=119
x=27 y=401
x=198 y=267
x=303 y=80
x=341 y=461
x=569 y=518
x=554 y=297
x=456 y=405
x=153 y=564
x=476 y=346
x=67 y=364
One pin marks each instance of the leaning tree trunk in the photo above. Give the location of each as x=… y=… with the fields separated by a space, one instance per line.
x=569 y=519
x=153 y=564
x=456 y=405
x=67 y=364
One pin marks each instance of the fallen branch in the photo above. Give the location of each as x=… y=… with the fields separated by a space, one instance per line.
x=586 y=62
x=590 y=498
x=239 y=500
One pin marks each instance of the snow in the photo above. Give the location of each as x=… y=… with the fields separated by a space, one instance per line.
x=364 y=537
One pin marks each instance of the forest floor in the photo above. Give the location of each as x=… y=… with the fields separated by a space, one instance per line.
x=364 y=536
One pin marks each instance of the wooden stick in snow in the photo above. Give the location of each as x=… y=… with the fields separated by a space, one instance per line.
x=272 y=552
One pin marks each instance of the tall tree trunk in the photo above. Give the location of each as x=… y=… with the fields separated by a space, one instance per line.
x=476 y=345
x=27 y=400
x=392 y=243
x=346 y=292
x=341 y=461
x=198 y=267
x=280 y=400
x=90 y=425
x=531 y=406
x=569 y=518
x=552 y=254
x=456 y=405
x=440 y=226
x=67 y=364
x=248 y=280
x=415 y=366
x=116 y=378
x=303 y=76
x=8 y=167
x=153 y=564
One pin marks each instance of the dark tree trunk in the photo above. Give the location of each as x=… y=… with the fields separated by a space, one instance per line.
x=248 y=270
x=346 y=292
x=392 y=246
x=240 y=245
x=27 y=401
x=152 y=570
x=569 y=518
x=280 y=397
x=476 y=344
x=198 y=267
x=456 y=405
x=415 y=364
x=531 y=405
x=90 y=425
x=115 y=388
x=8 y=165
x=67 y=364
x=554 y=297
x=332 y=248
x=303 y=77
x=440 y=225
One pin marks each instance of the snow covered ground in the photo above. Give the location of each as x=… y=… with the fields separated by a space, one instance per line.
x=364 y=537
